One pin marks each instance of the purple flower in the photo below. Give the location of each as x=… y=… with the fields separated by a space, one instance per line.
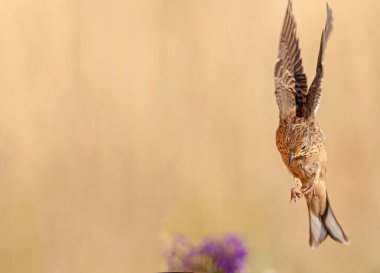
x=226 y=255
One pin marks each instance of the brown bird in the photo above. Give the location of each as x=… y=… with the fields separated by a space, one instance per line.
x=299 y=138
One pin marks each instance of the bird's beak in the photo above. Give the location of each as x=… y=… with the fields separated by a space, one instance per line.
x=291 y=156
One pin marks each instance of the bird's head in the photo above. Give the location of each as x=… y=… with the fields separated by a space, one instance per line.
x=298 y=141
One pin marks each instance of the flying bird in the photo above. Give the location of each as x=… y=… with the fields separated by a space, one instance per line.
x=299 y=139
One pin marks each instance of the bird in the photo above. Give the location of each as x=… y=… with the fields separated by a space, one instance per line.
x=299 y=138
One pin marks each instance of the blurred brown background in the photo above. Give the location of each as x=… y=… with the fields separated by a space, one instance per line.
x=123 y=123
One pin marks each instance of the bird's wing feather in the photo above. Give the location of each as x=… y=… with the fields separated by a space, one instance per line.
x=313 y=98
x=289 y=77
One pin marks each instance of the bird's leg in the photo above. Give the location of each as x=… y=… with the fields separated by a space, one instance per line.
x=295 y=191
x=311 y=187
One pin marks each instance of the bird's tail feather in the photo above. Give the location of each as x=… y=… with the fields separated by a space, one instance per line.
x=323 y=225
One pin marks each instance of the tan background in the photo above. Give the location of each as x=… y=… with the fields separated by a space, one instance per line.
x=123 y=123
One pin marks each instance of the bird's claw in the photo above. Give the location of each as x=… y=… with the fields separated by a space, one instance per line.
x=294 y=195
x=310 y=190
x=295 y=191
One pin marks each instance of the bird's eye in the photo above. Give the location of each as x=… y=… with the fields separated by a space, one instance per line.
x=303 y=148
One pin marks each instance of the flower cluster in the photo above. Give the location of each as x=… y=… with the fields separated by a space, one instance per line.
x=212 y=255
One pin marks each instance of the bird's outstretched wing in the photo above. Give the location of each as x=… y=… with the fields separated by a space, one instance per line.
x=290 y=81
x=313 y=98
